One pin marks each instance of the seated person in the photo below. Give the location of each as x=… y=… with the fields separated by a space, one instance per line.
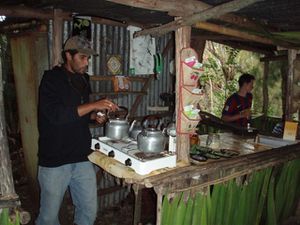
x=237 y=108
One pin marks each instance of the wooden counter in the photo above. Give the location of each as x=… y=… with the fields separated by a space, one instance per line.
x=196 y=176
x=252 y=157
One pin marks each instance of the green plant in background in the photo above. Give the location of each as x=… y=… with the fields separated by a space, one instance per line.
x=5 y=217
x=222 y=67
x=268 y=196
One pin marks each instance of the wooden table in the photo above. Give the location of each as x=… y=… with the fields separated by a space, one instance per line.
x=198 y=175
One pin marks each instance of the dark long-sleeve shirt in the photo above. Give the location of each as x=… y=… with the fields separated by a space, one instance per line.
x=64 y=136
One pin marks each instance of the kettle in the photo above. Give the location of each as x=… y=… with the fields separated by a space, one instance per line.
x=117 y=128
x=151 y=139
x=135 y=129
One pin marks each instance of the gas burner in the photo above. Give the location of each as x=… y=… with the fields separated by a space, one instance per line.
x=110 y=141
x=126 y=152
x=147 y=156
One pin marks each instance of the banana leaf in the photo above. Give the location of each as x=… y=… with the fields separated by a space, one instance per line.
x=189 y=212
x=181 y=211
x=271 y=211
x=197 y=209
x=263 y=195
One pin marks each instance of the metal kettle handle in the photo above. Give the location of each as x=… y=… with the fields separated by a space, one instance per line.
x=116 y=113
x=148 y=118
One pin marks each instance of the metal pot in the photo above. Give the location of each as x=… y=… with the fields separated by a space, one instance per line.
x=151 y=140
x=135 y=129
x=117 y=128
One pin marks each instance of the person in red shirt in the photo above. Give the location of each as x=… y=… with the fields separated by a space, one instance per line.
x=237 y=108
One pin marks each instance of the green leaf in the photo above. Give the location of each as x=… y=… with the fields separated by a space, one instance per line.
x=181 y=210
x=189 y=212
x=271 y=212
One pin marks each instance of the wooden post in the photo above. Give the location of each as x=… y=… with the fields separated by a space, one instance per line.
x=57 y=36
x=7 y=189
x=289 y=84
x=182 y=40
x=159 y=193
x=265 y=89
x=137 y=203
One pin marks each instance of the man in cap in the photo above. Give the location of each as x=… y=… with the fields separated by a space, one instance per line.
x=64 y=136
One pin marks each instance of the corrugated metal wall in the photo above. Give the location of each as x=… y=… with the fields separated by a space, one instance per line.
x=113 y=40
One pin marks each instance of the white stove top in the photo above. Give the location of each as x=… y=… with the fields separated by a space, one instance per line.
x=126 y=152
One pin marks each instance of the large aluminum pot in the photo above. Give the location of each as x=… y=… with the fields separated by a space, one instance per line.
x=117 y=128
x=151 y=139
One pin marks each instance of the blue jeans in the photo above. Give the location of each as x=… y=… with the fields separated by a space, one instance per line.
x=54 y=181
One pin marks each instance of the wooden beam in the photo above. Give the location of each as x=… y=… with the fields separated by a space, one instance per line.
x=246 y=47
x=57 y=37
x=289 y=84
x=277 y=58
x=139 y=98
x=214 y=37
x=190 y=6
x=232 y=32
x=7 y=189
x=265 y=89
x=27 y=12
x=182 y=8
x=210 y=13
x=182 y=40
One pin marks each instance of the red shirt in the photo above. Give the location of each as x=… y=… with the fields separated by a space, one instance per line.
x=235 y=104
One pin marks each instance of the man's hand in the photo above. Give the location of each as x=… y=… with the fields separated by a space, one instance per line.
x=105 y=104
x=246 y=113
x=100 y=118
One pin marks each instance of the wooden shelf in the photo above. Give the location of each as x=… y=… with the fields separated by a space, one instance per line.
x=110 y=78
x=118 y=93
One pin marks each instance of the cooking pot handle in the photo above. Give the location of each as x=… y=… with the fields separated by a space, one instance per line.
x=116 y=114
x=148 y=118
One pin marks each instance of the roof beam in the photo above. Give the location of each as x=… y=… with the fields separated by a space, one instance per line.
x=181 y=8
x=210 y=13
x=27 y=12
x=240 y=34
x=246 y=47
x=277 y=58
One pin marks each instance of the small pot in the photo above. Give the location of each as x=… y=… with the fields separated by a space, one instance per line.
x=151 y=140
x=117 y=128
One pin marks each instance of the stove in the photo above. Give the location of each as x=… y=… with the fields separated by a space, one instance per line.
x=126 y=152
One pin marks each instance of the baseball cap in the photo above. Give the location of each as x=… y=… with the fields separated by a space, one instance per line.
x=79 y=43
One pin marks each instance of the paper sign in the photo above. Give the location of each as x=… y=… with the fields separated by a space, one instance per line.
x=290 y=130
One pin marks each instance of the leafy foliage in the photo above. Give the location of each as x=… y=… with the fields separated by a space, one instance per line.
x=222 y=67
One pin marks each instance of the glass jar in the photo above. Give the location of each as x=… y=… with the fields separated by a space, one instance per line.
x=213 y=141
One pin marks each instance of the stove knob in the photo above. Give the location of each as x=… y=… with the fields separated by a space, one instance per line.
x=128 y=162
x=97 y=146
x=111 y=154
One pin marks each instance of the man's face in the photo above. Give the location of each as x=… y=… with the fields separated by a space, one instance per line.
x=78 y=63
x=249 y=86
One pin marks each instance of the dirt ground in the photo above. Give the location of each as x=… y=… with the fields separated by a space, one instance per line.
x=121 y=214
